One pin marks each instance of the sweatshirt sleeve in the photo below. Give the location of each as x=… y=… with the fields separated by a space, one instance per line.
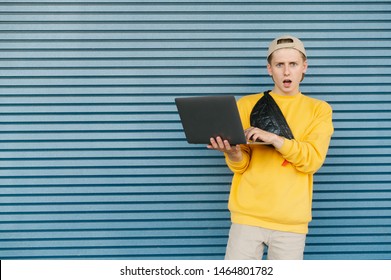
x=244 y=107
x=309 y=153
x=239 y=166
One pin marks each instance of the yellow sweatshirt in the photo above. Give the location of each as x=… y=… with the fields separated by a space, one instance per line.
x=273 y=188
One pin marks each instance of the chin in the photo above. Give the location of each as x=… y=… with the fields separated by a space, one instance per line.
x=290 y=90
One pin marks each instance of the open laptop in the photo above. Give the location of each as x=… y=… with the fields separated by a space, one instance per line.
x=210 y=116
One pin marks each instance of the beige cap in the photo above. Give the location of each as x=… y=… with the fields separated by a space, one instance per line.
x=286 y=41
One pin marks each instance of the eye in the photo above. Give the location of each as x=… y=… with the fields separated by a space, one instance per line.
x=294 y=64
x=279 y=65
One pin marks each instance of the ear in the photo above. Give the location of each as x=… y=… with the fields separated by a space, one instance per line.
x=305 y=66
x=269 y=69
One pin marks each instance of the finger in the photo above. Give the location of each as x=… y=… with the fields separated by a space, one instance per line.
x=246 y=133
x=249 y=132
x=220 y=143
x=213 y=144
x=250 y=135
x=227 y=145
x=251 y=128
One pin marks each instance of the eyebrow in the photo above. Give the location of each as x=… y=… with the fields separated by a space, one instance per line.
x=291 y=61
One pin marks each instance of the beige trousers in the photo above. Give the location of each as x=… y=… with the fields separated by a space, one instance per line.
x=248 y=242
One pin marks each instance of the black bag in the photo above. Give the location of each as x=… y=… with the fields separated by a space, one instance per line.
x=266 y=115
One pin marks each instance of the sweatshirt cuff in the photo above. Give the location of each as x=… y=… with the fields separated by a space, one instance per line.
x=237 y=165
x=286 y=147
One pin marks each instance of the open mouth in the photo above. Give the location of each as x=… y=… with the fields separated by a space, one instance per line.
x=287 y=83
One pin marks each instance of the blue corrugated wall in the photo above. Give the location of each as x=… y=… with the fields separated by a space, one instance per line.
x=93 y=160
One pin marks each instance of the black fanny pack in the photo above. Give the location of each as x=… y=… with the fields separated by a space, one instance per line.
x=267 y=116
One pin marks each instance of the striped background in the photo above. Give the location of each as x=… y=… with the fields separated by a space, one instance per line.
x=93 y=160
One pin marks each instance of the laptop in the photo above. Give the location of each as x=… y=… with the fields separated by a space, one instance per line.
x=210 y=116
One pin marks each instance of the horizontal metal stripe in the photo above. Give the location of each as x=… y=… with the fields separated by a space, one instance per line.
x=102 y=189
x=120 y=251
x=154 y=169
x=210 y=256
x=102 y=126
x=175 y=36
x=73 y=162
x=178 y=90
x=102 y=243
x=89 y=244
x=182 y=3
x=157 y=56
x=155 y=180
x=362 y=25
x=118 y=238
x=373 y=222
x=346 y=193
x=156 y=252
x=171 y=72
x=125 y=218
x=175 y=53
x=79 y=171
x=311 y=248
x=187 y=206
x=370 y=81
x=345 y=231
x=348 y=256
x=165 y=242
x=166 y=126
x=173 y=151
x=153 y=137
x=208 y=9
x=351 y=186
x=321 y=187
x=244 y=16
x=191 y=243
x=174 y=256
x=357 y=207
x=124 y=197
x=57 y=203
x=137 y=99
x=112 y=224
x=173 y=232
x=160 y=180
x=193 y=6
x=349 y=148
x=138 y=220
x=171 y=2
x=191 y=18
x=146 y=234
x=169 y=64
x=160 y=119
x=113 y=164
x=357 y=248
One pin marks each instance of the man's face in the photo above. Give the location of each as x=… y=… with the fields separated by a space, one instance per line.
x=287 y=68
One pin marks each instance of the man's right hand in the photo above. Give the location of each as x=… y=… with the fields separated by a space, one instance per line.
x=234 y=152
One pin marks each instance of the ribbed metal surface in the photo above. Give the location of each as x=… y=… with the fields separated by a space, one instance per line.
x=93 y=161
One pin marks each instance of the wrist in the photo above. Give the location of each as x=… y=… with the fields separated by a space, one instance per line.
x=235 y=156
x=278 y=142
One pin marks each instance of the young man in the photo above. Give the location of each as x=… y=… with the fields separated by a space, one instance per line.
x=271 y=192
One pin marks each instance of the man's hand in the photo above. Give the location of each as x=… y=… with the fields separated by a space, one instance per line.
x=234 y=152
x=257 y=134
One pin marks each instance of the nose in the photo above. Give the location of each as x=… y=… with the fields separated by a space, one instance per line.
x=286 y=71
